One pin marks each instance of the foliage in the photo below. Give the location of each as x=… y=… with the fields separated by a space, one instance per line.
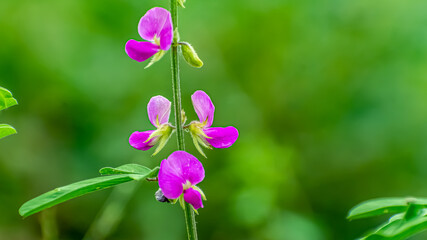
x=6 y=100
x=330 y=95
x=119 y=175
x=411 y=217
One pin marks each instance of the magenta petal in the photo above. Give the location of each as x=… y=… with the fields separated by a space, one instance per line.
x=175 y=171
x=166 y=35
x=137 y=140
x=140 y=51
x=159 y=108
x=157 y=22
x=194 y=198
x=187 y=166
x=170 y=180
x=203 y=106
x=221 y=137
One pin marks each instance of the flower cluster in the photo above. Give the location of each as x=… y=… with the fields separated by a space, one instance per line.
x=181 y=171
x=201 y=131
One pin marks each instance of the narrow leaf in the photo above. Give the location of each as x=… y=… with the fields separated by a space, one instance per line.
x=130 y=169
x=6 y=99
x=399 y=228
x=381 y=206
x=413 y=211
x=71 y=191
x=6 y=130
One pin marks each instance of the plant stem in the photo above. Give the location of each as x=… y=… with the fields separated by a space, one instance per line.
x=190 y=219
x=176 y=88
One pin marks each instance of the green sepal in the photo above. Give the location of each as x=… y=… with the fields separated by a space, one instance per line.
x=199 y=137
x=173 y=201
x=196 y=144
x=165 y=133
x=181 y=3
x=6 y=99
x=159 y=55
x=190 y=55
x=200 y=191
x=6 y=130
x=181 y=201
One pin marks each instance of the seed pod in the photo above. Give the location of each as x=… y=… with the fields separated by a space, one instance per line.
x=190 y=55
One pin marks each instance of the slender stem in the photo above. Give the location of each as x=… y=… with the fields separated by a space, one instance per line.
x=176 y=88
x=190 y=219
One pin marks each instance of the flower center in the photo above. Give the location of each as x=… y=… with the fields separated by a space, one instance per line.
x=196 y=128
x=156 y=40
x=187 y=185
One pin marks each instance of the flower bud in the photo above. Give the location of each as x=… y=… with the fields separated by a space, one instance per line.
x=175 y=35
x=190 y=55
x=183 y=117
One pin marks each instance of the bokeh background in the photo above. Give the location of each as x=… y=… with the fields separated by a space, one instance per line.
x=330 y=98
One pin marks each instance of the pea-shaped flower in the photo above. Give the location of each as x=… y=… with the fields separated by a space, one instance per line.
x=158 y=110
x=155 y=27
x=202 y=132
x=178 y=176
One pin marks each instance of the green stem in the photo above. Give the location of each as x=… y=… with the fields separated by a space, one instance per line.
x=176 y=88
x=190 y=219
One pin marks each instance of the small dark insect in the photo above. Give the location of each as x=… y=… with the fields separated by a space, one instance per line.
x=160 y=197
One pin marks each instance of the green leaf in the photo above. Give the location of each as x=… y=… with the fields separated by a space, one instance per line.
x=6 y=130
x=6 y=99
x=130 y=169
x=413 y=211
x=77 y=189
x=399 y=228
x=381 y=206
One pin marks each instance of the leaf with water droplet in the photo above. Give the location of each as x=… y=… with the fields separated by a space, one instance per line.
x=77 y=189
x=381 y=206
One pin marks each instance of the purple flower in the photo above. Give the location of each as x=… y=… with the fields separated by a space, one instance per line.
x=202 y=132
x=158 y=112
x=155 y=27
x=178 y=176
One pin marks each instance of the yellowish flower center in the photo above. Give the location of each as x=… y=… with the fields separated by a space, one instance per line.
x=156 y=40
x=187 y=185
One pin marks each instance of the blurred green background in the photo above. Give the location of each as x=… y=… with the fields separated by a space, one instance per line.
x=330 y=98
